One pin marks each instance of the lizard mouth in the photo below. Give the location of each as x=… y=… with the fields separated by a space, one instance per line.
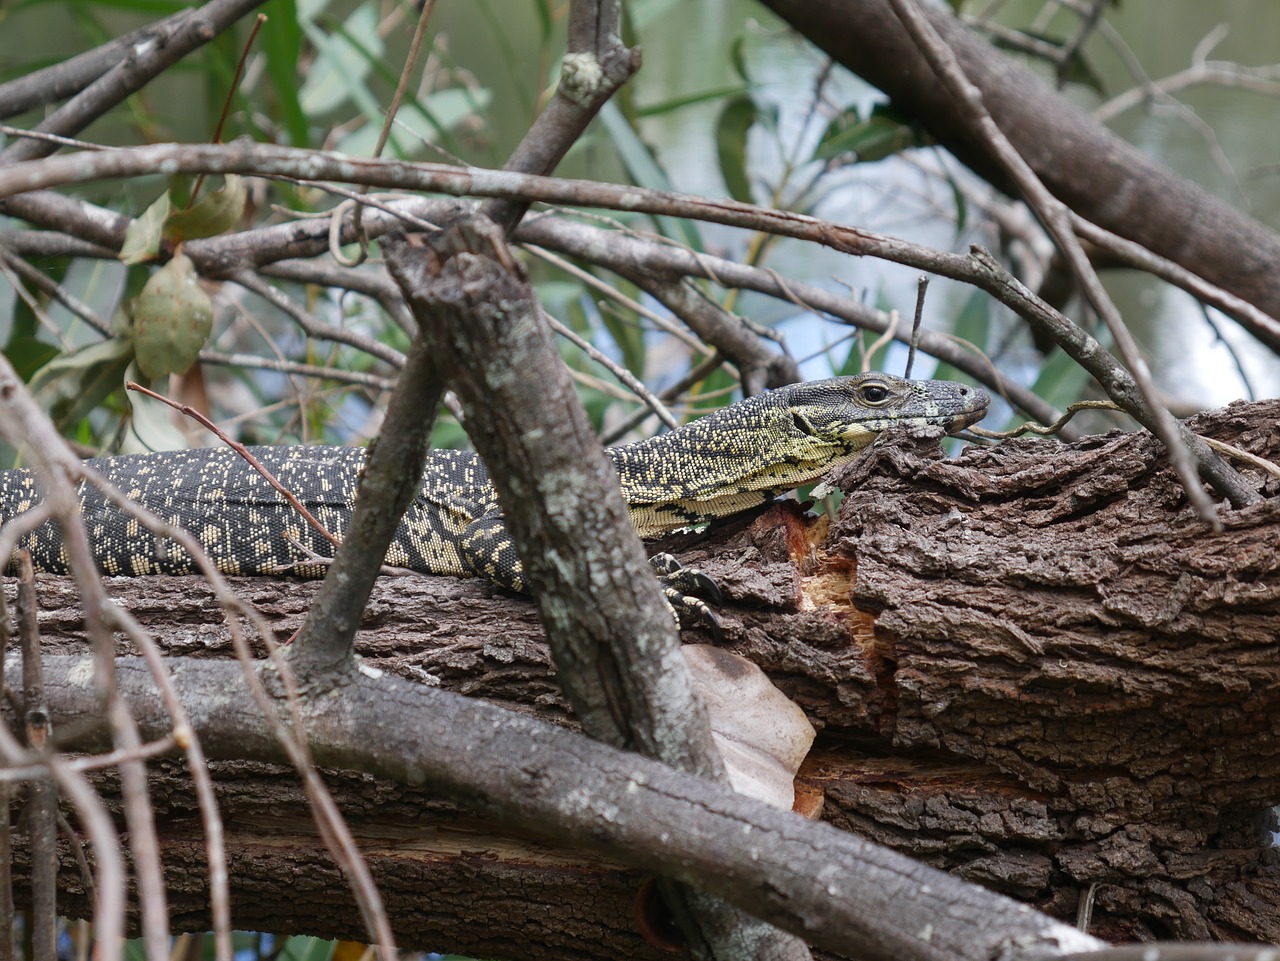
x=978 y=406
x=968 y=418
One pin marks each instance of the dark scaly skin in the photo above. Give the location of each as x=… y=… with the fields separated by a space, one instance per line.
x=733 y=460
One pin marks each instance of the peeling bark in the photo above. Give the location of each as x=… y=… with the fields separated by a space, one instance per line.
x=1031 y=665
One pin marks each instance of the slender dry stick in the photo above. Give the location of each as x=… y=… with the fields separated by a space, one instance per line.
x=1135 y=255
x=415 y=48
x=92 y=762
x=1188 y=456
x=39 y=279
x=245 y=453
x=251 y=281
x=699 y=372
x=922 y=287
x=109 y=885
x=1072 y=49
x=258 y=21
x=8 y=946
x=630 y=303
x=43 y=806
x=358 y=378
x=638 y=388
x=143 y=841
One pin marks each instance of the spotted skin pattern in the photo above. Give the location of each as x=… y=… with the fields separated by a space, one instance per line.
x=730 y=461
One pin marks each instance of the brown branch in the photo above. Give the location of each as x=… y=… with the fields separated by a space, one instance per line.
x=263 y=159
x=760 y=367
x=1069 y=686
x=171 y=41
x=393 y=471
x=42 y=804
x=596 y=65
x=610 y=633
x=808 y=877
x=74 y=74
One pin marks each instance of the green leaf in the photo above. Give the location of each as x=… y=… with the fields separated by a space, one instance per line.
x=972 y=326
x=29 y=354
x=172 y=319
x=216 y=212
x=151 y=423
x=738 y=57
x=1080 y=71
x=879 y=136
x=302 y=948
x=1060 y=382
x=732 y=128
x=645 y=171
x=281 y=40
x=339 y=72
x=72 y=385
x=689 y=100
x=143 y=235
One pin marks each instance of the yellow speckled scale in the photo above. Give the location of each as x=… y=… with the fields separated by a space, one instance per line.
x=730 y=461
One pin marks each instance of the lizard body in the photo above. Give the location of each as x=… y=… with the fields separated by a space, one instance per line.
x=733 y=460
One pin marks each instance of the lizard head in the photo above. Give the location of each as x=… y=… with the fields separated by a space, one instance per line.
x=851 y=411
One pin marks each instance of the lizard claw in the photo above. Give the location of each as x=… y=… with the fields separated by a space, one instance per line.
x=684 y=589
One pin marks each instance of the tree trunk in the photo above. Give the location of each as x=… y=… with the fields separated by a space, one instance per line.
x=1032 y=666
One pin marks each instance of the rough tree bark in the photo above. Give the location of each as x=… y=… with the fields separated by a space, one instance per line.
x=1031 y=665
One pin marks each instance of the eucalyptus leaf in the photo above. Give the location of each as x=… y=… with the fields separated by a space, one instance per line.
x=215 y=213
x=172 y=319
x=151 y=423
x=732 y=128
x=71 y=385
x=875 y=138
x=143 y=235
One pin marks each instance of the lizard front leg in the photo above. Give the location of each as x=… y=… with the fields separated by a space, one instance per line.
x=488 y=551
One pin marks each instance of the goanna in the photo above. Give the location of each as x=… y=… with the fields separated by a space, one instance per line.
x=727 y=462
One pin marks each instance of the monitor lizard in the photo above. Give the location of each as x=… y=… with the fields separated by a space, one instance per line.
x=731 y=461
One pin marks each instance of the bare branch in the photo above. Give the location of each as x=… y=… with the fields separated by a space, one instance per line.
x=74 y=74
x=148 y=58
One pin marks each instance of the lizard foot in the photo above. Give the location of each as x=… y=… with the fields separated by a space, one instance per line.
x=687 y=591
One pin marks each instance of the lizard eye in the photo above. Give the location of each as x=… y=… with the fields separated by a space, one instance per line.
x=874 y=393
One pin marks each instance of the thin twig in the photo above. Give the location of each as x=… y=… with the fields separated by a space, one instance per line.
x=614 y=368
x=922 y=287
x=245 y=453
x=415 y=49
x=42 y=823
